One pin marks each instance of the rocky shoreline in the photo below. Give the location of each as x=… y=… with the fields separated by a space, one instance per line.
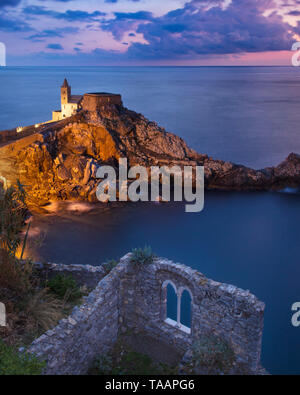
x=61 y=163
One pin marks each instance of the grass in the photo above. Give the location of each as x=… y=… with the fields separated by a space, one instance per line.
x=123 y=360
x=13 y=362
x=32 y=306
x=65 y=287
x=43 y=309
x=213 y=355
x=35 y=307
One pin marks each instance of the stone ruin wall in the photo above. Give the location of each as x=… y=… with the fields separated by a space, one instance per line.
x=84 y=275
x=225 y=310
x=91 y=330
x=134 y=299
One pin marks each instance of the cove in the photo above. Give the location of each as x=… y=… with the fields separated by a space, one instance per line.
x=250 y=240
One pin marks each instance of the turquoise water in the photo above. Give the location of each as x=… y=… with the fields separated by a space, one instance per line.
x=247 y=115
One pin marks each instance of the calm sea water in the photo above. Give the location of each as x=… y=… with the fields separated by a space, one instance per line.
x=247 y=115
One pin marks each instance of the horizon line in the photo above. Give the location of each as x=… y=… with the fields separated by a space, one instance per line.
x=158 y=66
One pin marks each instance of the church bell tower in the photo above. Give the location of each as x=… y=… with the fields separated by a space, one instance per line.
x=65 y=92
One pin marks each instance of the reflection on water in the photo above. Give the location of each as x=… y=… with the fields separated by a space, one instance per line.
x=291 y=190
x=247 y=239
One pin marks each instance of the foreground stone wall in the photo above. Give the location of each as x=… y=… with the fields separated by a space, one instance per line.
x=225 y=310
x=133 y=299
x=83 y=274
x=91 y=330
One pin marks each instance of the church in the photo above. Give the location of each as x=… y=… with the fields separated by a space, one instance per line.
x=70 y=104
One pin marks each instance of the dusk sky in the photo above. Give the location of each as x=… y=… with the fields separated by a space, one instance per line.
x=149 y=32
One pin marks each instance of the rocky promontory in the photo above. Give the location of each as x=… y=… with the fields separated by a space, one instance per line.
x=60 y=161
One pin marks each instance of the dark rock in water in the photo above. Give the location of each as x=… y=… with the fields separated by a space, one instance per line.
x=287 y=173
x=63 y=161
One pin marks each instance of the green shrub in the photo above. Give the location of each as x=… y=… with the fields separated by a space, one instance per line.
x=104 y=365
x=12 y=217
x=142 y=256
x=109 y=265
x=64 y=287
x=212 y=355
x=15 y=363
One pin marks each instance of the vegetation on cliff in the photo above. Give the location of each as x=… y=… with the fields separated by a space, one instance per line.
x=16 y=363
x=33 y=304
x=142 y=256
x=12 y=217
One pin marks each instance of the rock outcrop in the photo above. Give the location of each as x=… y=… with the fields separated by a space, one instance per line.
x=62 y=162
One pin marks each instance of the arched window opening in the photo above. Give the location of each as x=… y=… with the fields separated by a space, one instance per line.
x=177 y=306
x=186 y=309
x=171 y=303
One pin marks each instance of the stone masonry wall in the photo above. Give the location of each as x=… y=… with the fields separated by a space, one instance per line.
x=91 y=330
x=96 y=102
x=134 y=299
x=83 y=274
x=225 y=310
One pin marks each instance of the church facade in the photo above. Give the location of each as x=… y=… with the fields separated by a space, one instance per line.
x=70 y=104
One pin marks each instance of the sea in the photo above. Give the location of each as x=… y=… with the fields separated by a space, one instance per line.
x=247 y=115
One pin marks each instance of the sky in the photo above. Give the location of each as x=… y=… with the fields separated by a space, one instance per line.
x=149 y=32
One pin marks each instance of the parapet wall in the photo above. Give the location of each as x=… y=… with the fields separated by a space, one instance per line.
x=7 y=135
x=98 y=101
x=134 y=299
x=83 y=274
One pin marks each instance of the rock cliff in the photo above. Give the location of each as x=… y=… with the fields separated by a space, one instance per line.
x=62 y=162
